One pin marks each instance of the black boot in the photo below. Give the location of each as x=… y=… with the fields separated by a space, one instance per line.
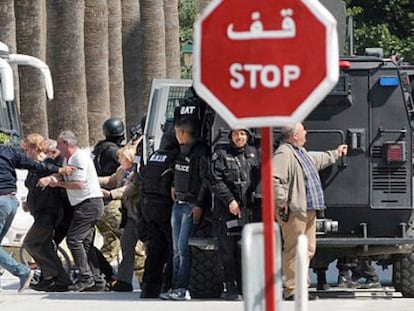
x=230 y=291
x=121 y=286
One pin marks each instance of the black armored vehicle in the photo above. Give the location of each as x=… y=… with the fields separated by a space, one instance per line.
x=369 y=193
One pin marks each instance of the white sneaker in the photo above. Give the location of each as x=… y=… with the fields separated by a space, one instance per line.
x=180 y=294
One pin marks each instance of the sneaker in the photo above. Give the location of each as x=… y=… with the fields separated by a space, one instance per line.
x=25 y=281
x=370 y=283
x=43 y=284
x=99 y=286
x=57 y=288
x=82 y=285
x=166 y=295
x=121 y=286
x=347 y=282
x=180 y=294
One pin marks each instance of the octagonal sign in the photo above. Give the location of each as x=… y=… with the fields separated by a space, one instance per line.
x=265 y=62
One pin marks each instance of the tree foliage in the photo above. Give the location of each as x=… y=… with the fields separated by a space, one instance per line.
x=388 y=24
x=187 y=13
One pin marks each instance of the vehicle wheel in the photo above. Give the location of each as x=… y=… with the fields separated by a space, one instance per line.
x=28 y=260
x=206 y=270
x=403 y=275
x=206 y=280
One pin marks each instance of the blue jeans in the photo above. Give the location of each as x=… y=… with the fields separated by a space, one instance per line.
x=182 y=227
x=8 y=208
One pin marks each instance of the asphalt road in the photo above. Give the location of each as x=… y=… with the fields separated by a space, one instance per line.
x=31 y=300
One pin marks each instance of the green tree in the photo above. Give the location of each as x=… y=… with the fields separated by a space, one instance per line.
x=187 y=13
x=388 y=24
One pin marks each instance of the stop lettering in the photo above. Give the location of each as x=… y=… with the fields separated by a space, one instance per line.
x=268 y=76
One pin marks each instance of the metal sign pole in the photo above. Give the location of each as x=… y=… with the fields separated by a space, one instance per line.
x=268 y=216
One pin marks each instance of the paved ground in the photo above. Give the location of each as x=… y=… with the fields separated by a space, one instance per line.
x=31 y=300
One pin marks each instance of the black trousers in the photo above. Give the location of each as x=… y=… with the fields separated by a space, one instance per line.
x=40 y=245
x=81 y=233
x=158 y=264
x=229 y=251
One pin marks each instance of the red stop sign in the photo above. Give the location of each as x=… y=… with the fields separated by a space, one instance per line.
x=265 y=62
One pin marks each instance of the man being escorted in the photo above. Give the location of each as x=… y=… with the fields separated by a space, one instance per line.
x=298 y=195
x=85 y=196
x=10 y=159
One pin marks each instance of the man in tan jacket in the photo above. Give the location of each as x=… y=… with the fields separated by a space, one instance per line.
x=298 y=195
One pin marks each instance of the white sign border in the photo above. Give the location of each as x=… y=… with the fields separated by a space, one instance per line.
x=310 y=103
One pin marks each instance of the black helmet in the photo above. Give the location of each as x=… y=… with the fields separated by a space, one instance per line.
x=113 y=127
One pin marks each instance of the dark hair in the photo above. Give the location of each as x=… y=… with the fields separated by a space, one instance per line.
x=187 y=125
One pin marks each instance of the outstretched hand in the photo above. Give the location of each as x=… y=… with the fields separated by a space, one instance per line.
x=342 y=150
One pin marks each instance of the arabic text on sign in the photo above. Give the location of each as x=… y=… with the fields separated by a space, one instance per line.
x=268 y=76
x=256 y=30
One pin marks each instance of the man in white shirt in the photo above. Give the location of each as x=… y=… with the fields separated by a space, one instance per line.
x=85 y=196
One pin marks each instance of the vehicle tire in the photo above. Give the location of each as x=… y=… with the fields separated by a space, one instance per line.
x=28 y=260
x=206 y=270
x=206 y=280
x=403 y=275
x=396 y=273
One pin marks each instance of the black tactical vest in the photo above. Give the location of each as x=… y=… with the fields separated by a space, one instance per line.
x=158 y=174
x=105 y=158
x=189 y=176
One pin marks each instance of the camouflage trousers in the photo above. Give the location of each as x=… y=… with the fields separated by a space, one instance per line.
x=108 y=226
x=140 y=257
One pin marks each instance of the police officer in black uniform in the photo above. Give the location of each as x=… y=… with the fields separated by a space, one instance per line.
x=234 y=176
x=105 y=157
x=191 y=194
x=157 y=178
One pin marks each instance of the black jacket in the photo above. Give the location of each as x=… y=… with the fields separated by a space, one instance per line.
x=45 y=200
x=10 y=159
x=235 y=173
